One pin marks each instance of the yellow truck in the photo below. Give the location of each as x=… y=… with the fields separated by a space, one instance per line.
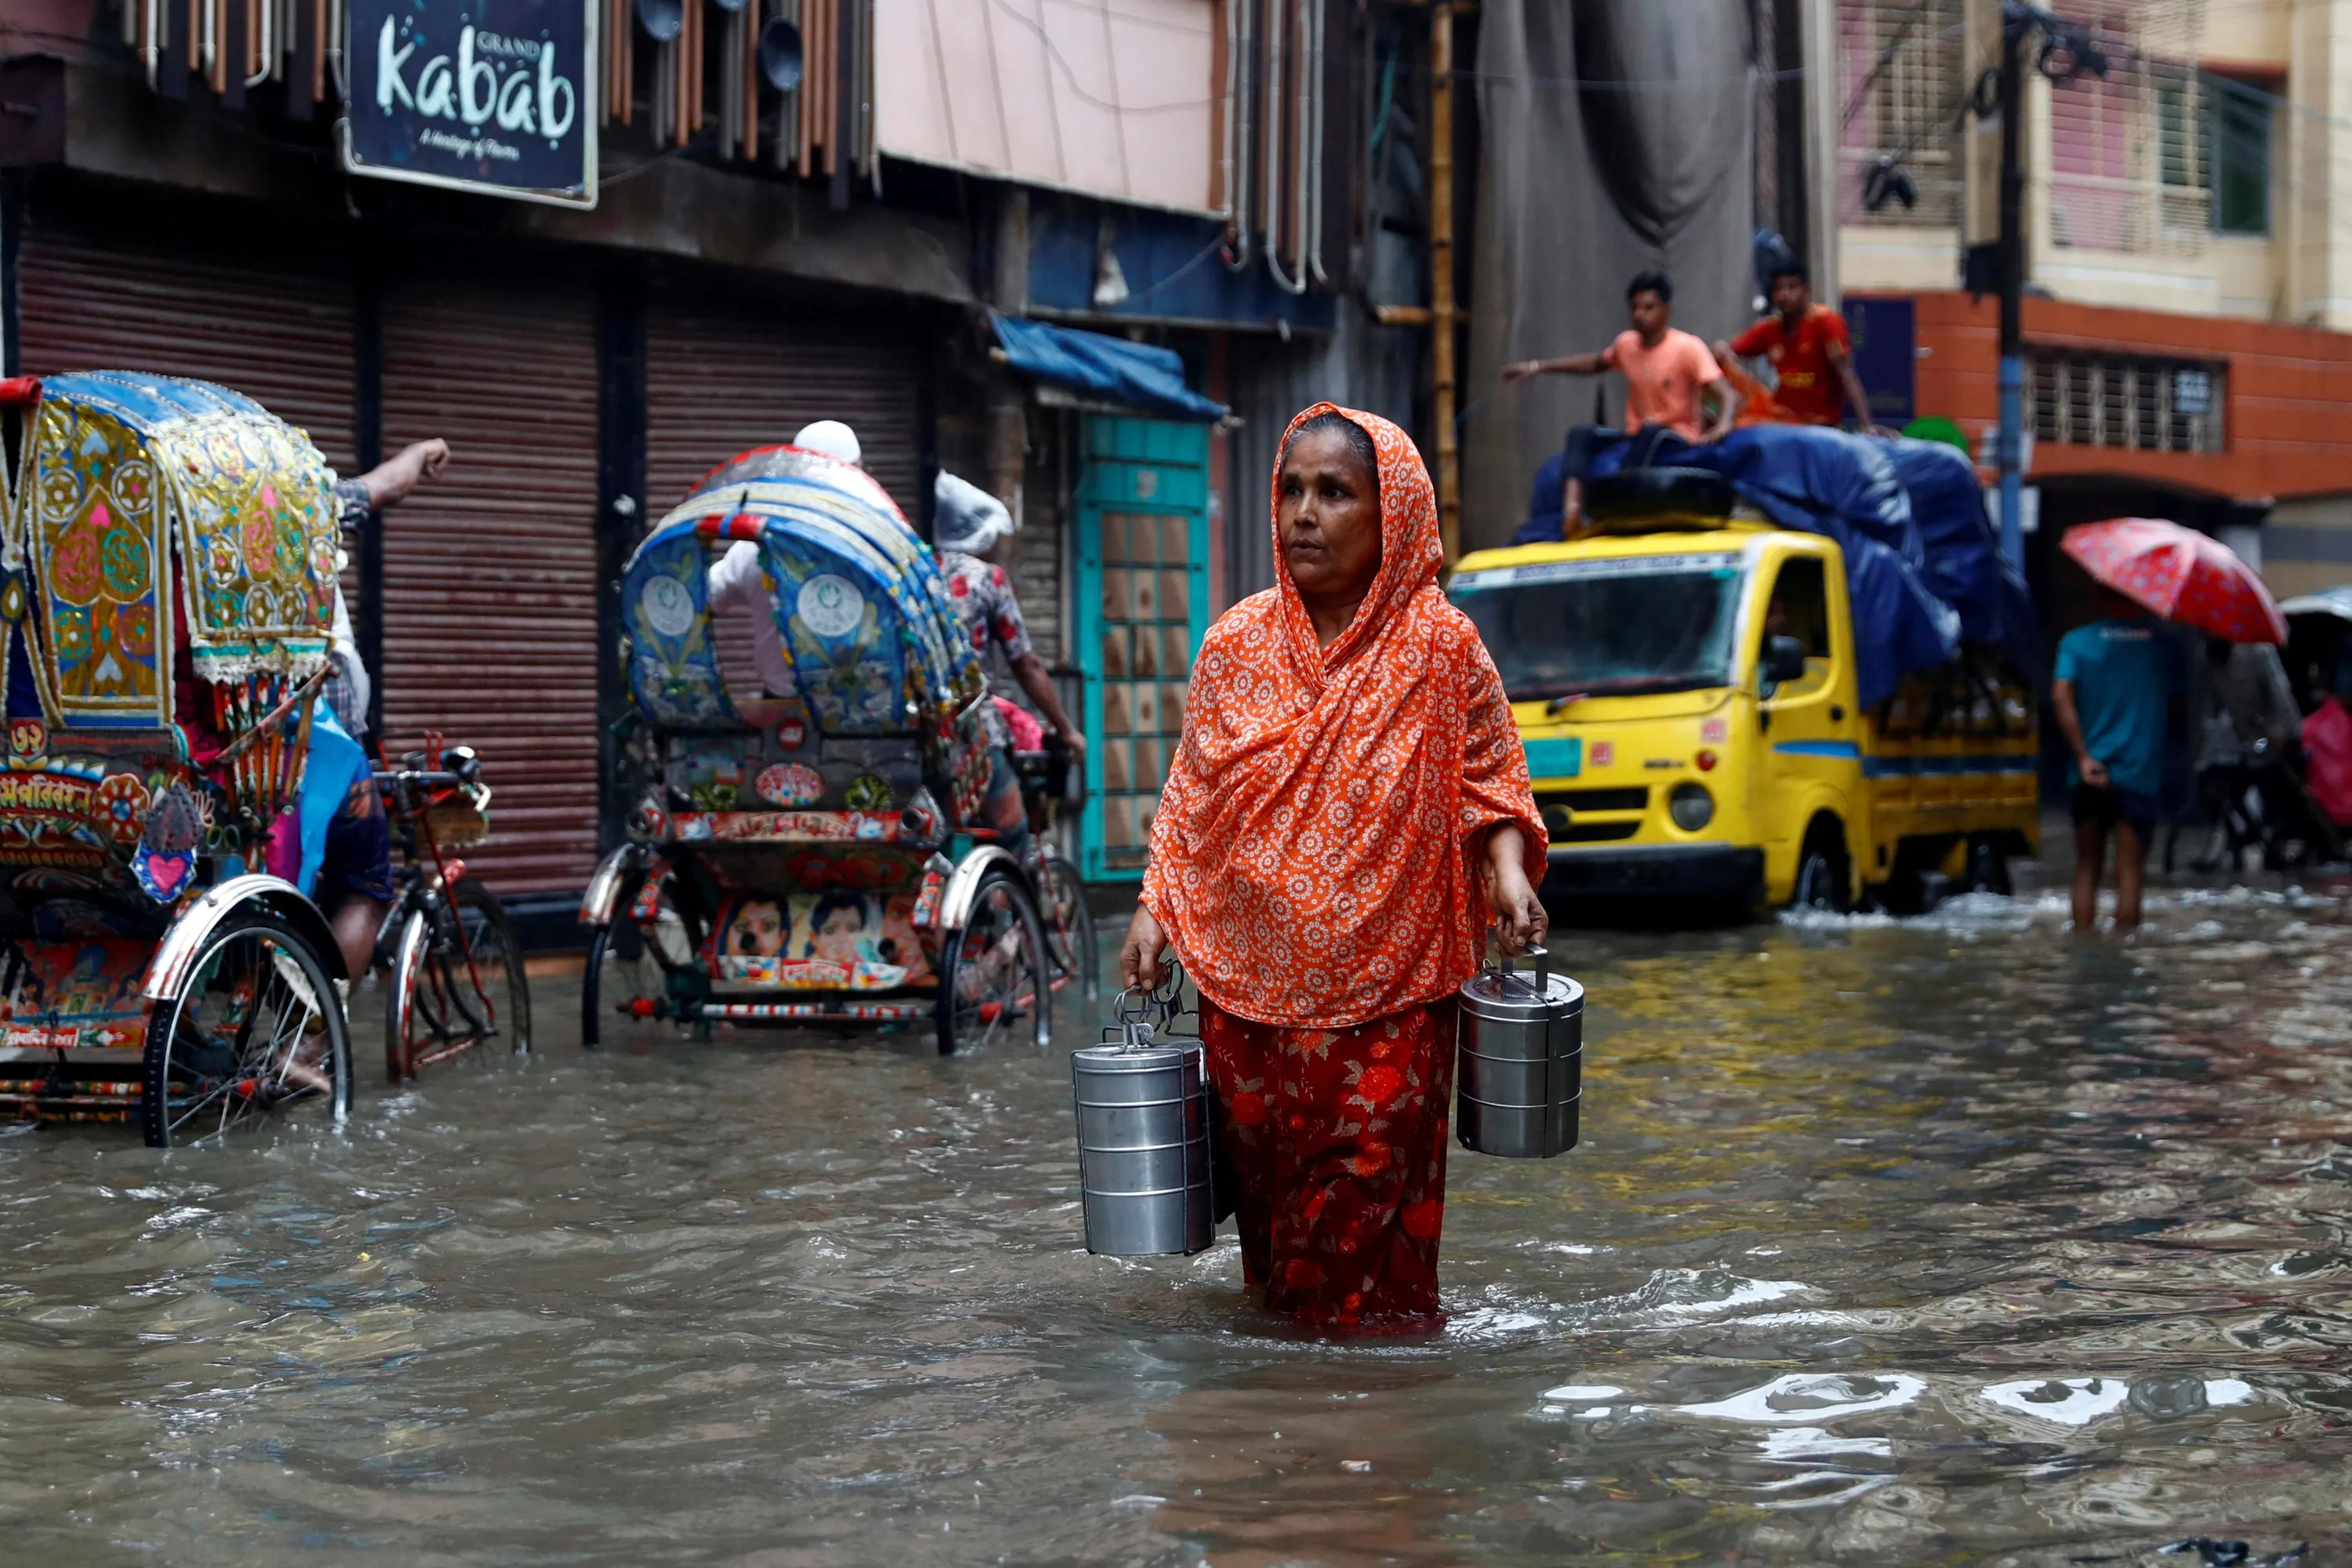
x=1685 y=684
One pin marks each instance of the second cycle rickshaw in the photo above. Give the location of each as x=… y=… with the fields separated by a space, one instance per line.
x=816 y=859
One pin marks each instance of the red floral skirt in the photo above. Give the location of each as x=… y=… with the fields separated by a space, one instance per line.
x=1336 y=1139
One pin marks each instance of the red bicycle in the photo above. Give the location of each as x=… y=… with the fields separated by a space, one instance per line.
x=456 y=980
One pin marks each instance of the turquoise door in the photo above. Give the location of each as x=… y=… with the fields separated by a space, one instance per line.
x=1142 y=605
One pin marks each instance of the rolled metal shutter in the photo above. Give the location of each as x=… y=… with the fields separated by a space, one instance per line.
x=269 y=327
x=719 y=380
x=489 y=576
x=722 y=380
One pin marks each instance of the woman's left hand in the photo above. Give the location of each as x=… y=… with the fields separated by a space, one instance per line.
x=1520 y=922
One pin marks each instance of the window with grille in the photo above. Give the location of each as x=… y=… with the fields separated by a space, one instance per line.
x=1902 y=88
x=2238 y=135
x=2131 y=152
x=2116 y=400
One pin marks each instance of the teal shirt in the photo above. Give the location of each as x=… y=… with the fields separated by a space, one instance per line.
x=2125 y=674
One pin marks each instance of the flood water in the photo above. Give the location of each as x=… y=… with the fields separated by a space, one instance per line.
x=1945 y=1240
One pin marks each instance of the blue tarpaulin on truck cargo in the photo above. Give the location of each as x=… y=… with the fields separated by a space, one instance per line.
x=1965 y=565
x=1150 y=380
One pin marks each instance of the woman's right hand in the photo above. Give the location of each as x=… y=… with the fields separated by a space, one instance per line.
x=1141 y=960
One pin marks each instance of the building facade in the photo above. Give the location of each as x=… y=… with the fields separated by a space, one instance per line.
x=2188 y=255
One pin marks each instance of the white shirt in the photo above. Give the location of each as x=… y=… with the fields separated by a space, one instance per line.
x=739 y=586
x=343 y=647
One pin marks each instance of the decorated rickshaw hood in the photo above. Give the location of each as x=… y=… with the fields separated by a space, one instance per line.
x=120 y=467
x=863 y=612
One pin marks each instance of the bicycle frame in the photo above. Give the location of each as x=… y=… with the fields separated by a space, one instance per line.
x=409 y=796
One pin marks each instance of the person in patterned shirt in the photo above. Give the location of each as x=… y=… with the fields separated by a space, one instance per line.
x=967 y=523
x=354 y=880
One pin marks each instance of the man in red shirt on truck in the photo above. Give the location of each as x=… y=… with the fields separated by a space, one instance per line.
x=1806 y=345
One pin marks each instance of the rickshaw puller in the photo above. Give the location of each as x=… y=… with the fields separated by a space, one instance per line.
x=967 y=523
x=353 y=884
x=738 y=583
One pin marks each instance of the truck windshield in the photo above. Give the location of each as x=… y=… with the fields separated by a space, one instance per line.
x=1635 y=623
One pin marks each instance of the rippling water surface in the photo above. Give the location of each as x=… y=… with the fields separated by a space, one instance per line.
x=1948 y=1240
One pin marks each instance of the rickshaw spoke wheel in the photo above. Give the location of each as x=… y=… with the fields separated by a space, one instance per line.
x=615 y=987
x=1069 y=925
x=993 y=975
x=255 y=1029
x=458 y=990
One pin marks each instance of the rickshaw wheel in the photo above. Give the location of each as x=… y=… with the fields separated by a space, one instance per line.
x=442 y=1007
x=993 y=976
x=255 y=1028
x=1070 y=924
x=668 y=947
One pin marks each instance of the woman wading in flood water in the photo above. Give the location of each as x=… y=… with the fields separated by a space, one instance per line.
x=1349 y=809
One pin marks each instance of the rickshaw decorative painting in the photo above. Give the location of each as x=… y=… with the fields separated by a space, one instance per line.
x=119 y=462
x=672 y=666
x=75 y=995
x=829 y=939
x=97 y=544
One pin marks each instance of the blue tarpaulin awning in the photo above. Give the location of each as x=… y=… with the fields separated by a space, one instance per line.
x=1099 y=366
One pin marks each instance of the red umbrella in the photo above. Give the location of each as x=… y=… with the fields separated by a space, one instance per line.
x=2181 y=575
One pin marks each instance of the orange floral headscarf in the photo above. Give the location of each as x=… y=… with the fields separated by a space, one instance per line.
x=1311 y=858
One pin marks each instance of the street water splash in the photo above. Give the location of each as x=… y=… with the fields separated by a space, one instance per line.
x=1945 y=1238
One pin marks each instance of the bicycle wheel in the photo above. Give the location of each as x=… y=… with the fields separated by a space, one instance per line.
x=1070 y=941
x=993 y=972
x=635 y=986
x=254 y=1029
x=458 y=985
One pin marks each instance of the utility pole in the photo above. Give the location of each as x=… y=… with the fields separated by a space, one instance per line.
x=2009 y=443
x=1441 y=276
x=1443 y=314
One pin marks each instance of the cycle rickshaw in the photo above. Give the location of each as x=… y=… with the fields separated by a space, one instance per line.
x=167 y=557
x=815 y=859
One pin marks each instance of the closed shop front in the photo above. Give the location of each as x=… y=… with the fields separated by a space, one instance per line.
x=272 y=323
x=489 y=576
x=722 y=378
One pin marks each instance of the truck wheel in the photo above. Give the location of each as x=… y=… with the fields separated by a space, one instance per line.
x=1823 y=882
x=1988 y=867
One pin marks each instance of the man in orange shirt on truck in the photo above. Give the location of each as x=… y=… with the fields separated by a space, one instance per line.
x=1807 y=346
x=1667 y=373
x=1666 y=370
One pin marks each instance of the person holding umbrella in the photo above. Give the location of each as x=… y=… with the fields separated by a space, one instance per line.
x=2119 y=678
x=2117 y=681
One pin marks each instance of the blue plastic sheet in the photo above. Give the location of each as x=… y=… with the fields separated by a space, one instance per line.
x=1138 y=375
x=1847 y=487
x=1965 y=565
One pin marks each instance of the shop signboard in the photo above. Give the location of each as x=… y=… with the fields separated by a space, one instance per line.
x=492 y=96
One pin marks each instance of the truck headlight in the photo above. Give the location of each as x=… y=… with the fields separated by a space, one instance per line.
x=1691 y=806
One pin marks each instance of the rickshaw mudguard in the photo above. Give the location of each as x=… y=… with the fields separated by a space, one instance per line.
x=177 y=954
x=964 y=884
x=604 y=887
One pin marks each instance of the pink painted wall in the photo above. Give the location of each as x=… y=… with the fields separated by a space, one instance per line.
x=1116 y=98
